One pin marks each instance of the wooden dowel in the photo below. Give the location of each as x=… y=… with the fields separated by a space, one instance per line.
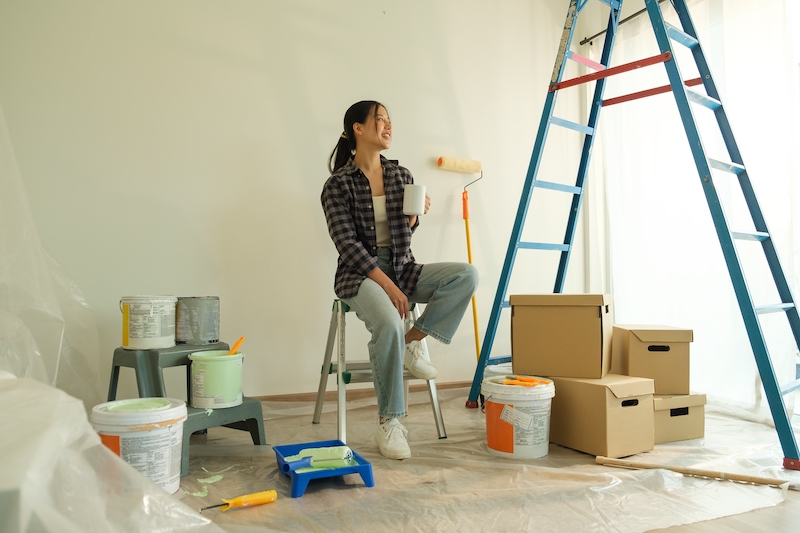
x=622 y=463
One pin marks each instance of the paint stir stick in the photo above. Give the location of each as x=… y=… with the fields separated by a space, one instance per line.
x=236 y=346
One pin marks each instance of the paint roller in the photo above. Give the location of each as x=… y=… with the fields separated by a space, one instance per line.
x=468 y=166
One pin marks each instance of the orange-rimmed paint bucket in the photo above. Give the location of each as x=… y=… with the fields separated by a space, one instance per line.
x=518 y=416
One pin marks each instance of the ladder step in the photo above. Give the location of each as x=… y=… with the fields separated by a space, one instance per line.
x=774 y=308
x=543 y=246
x=790 y=387
x=750 y=235
x=680 y=36
x=498 y=360
x=557 y=187
x=702 y=99
x=571 y=125
x=733 y=168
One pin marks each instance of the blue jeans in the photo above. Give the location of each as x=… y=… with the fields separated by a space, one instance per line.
x=446 y=288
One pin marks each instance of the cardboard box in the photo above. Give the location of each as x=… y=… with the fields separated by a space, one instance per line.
x=679 y=417
x=566 y=335
x=657 y=352
x=611 y=416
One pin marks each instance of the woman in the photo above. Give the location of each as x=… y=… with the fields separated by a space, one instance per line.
x=377 y=275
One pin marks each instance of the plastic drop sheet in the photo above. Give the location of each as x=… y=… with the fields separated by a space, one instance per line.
x=47 y=331
x=454 y=484
x=56 y=476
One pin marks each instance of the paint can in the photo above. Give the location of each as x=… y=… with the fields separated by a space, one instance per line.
x=518 y=417
x=148 y=322
x=147 y=433
x=197 y=320
x=216 y=379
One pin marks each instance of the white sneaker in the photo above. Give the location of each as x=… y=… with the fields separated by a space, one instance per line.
x=391 y=439
x=416 y=363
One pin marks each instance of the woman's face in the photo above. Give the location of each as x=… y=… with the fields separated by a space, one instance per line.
x=377 y=130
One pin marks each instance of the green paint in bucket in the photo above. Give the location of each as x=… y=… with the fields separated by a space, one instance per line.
x=216 y=379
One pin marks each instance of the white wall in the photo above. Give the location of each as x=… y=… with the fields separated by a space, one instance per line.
x=179 y=147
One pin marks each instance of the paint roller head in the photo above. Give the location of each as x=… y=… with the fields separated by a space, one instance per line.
x=460 y=165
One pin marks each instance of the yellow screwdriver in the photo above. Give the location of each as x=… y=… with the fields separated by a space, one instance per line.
x=248 y=500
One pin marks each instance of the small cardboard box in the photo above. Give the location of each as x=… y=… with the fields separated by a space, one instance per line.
x=657 y=352
x=679 y=417
x=611 y=416
x=566 y=335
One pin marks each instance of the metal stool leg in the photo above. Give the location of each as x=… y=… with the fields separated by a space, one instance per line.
x=326 y=363
x=341 y=402
x=432 y=391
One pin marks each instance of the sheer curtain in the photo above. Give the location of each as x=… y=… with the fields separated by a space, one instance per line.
x=666 y=264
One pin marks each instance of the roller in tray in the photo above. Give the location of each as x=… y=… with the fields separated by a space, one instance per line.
x=321 y=459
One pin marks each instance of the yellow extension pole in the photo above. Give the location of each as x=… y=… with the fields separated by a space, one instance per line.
x=465 y=205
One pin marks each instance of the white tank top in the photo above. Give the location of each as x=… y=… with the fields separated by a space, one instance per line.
x=381 y=221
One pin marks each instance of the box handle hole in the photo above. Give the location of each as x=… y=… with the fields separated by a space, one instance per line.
x=630 y=403
x=679 y=411
x=658 y=348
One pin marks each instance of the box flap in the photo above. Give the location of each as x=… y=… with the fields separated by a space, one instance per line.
x=661 y=403
x=627 y=386
x=560 y=299
x=651 y=334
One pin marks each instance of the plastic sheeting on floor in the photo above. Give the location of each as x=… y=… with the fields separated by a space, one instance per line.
x=55 y=476
x=454 y=484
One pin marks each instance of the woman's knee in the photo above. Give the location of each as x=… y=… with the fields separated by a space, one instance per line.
x=470 y=276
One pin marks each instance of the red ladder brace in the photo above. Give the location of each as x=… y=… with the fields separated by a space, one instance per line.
x=604 y=72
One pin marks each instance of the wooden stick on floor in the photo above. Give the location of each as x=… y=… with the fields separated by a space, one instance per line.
x=622 y=463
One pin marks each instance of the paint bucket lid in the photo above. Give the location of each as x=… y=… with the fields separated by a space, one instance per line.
x=215 y=356
x=139 y=412
x=543 y=389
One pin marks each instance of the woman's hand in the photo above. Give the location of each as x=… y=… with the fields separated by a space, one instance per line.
x=398 y=298
x=427 y=203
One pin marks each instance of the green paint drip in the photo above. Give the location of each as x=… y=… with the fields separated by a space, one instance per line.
x=212 y=479
x=202 y=494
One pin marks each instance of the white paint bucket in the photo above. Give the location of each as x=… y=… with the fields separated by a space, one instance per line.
x=197 y=320
x=216 y=379
x=503 y=369
x=148 y=322
x=147 y=433
x=518 y=417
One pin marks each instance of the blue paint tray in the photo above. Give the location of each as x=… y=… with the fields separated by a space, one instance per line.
x=300 y=480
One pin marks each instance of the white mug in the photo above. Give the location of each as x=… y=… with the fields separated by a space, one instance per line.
x=414 y=200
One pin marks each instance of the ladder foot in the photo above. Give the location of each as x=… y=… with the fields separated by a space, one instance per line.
x=791 y=464
x=472 y=405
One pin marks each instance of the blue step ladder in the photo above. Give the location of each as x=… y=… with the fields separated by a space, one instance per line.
x=667 y=36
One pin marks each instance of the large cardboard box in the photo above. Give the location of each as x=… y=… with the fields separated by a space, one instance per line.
x=679 y=417
x=567 y=335
x=657 y=352
x=611 y=416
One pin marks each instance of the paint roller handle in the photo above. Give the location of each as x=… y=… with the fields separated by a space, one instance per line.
x=291 y=466
x=465 y=205
x=236 y=346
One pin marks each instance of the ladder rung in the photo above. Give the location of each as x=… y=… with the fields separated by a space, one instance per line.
x=571 y=125
x=543 y=246
x=498 y=360
x=506 y=304
x=774 y=308
x=703 y=100
x=557 y=187
x=733 y=168
x=680 y=36
x=750 y=235
x=790 y=387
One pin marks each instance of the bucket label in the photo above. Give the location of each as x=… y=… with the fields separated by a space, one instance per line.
x=516 y=418
x=150 y=320
x=539 y=430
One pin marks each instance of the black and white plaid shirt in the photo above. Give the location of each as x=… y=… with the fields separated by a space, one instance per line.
x=347 y=202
